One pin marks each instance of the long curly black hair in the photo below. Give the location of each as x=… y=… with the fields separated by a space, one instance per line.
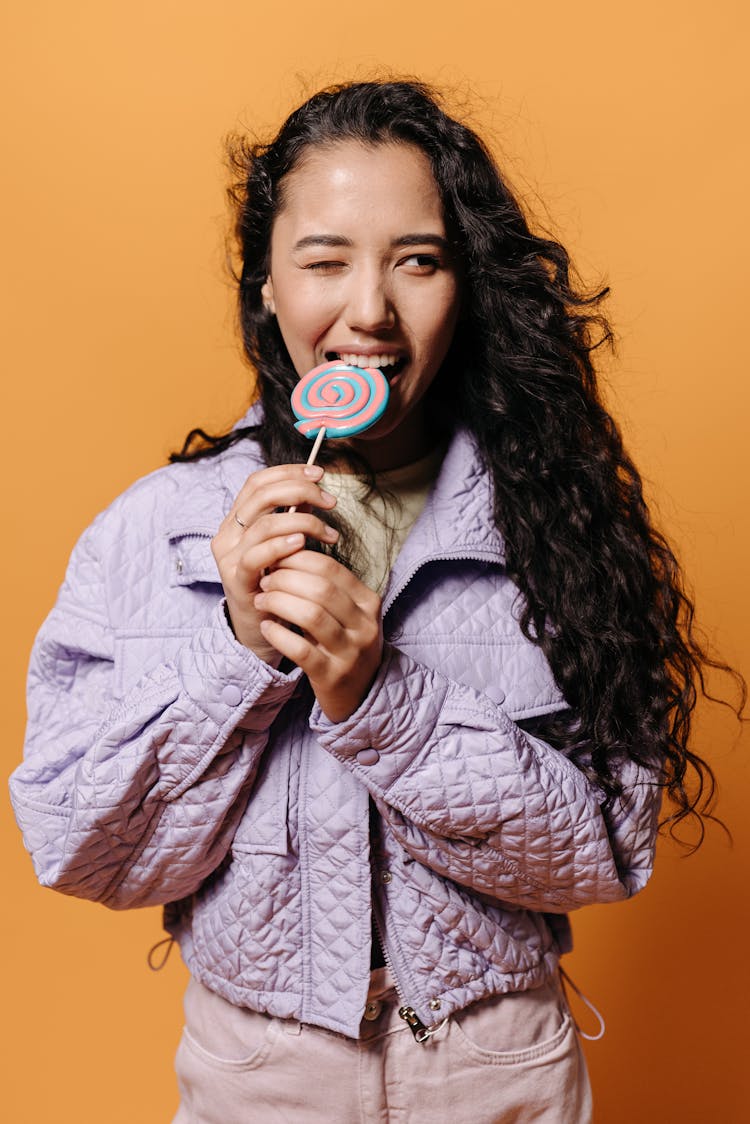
x=602 y=591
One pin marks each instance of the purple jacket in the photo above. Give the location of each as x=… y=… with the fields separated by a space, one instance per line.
x=165 y=763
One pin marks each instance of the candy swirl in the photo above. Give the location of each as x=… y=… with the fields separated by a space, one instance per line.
x=341 y=399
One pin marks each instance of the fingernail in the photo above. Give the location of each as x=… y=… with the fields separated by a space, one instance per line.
x=298 y=538
x=314 y=471
x=327 y=495
x=331 y=534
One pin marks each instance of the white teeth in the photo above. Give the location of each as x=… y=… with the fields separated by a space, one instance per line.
x=355 y=360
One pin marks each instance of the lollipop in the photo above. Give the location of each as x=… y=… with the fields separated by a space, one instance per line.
x=337 y=400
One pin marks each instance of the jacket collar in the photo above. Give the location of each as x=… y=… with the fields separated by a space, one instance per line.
x=458 y=511
x=457 y=519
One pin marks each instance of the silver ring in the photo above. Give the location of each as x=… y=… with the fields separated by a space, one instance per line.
x=239 y=522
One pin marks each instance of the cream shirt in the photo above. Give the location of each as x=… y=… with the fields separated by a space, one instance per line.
x=381 y=522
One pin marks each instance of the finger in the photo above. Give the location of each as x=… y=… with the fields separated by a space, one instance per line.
x=315 y=620
x=269 y=553
x=268 y=478
x=234 y=540
x=280 y=472
x=313 y=562
x=317 y=590
x=296 y=648
x=283 y=493
x=272 y=488
x=324 y=566
x=287 y=523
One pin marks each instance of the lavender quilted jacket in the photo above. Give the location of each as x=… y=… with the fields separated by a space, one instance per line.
x=165 y=763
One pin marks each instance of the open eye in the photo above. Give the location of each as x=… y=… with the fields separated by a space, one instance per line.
x=422 y=263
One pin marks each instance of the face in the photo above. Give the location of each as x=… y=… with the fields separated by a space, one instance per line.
x=361 y=271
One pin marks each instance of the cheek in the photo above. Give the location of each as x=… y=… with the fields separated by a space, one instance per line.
x=440 y=326
x=305 y=315
x=300 y=329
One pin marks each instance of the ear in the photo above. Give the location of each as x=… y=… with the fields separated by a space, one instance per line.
x=267 y=293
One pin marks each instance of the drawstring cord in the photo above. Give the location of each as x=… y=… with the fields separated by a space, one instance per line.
x=157 y=965
x=584 y=999
x=430 y=1030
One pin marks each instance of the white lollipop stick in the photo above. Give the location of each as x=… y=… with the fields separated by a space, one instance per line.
x=316 y=446
x=311 y=458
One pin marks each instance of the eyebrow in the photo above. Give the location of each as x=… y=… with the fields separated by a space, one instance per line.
x=322 y=240
x=339 y=240
x=422 y=240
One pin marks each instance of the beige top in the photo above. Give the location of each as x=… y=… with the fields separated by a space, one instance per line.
x=382 y=520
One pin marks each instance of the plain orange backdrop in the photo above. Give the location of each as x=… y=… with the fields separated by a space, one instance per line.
x=624 y=126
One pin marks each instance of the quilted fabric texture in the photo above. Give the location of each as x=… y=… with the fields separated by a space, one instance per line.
x=165 y=763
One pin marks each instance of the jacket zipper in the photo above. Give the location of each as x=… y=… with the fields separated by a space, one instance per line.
x=477 y=556
x=421 y=1033
x=406 y=1012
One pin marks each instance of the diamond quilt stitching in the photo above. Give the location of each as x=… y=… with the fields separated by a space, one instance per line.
x=146 y=781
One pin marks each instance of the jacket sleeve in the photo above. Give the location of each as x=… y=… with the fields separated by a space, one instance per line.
x=471 y=795
x=135 y=802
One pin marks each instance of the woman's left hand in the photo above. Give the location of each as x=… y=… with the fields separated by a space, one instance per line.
x=341 y=645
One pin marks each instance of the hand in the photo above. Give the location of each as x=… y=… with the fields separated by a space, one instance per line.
x=341 y=645
x=255 y=537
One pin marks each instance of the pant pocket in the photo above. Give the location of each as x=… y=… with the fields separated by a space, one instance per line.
x=223 y=1035
x=216 y=1089
x=516 y=1028
x=189 y=1044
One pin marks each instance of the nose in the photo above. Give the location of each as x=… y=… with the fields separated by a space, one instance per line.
x=369 y=306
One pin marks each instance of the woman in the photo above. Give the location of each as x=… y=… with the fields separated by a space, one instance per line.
x=380 y=729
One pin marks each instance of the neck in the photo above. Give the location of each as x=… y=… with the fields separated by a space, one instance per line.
x=407 y=443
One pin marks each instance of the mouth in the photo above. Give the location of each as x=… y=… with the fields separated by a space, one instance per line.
x=390 y=365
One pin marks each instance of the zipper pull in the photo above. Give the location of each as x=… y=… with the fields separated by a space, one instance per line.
x=416 y=1026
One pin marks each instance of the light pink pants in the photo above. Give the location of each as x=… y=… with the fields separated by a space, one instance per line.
x=506 y=1060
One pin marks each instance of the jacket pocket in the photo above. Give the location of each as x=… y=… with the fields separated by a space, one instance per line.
x=263 y=828
x=138 y=654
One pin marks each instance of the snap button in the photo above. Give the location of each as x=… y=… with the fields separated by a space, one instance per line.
x=231 y=695
x=368 y=757
x=179 y=566
x=386 y=876
x=373 y=1009
x=435 y=1004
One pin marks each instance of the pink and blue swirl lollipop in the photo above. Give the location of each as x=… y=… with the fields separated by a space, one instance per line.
x=337 y=400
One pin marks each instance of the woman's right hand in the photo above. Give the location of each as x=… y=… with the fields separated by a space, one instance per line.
x=255 y=536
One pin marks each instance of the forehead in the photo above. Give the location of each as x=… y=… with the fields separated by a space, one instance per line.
x=349 y=183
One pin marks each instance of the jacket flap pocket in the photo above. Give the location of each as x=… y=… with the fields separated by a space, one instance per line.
x=191 y=559
x=263 y=827
x=139 y=654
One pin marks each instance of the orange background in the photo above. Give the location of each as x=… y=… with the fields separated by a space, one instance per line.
x=625 y=128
